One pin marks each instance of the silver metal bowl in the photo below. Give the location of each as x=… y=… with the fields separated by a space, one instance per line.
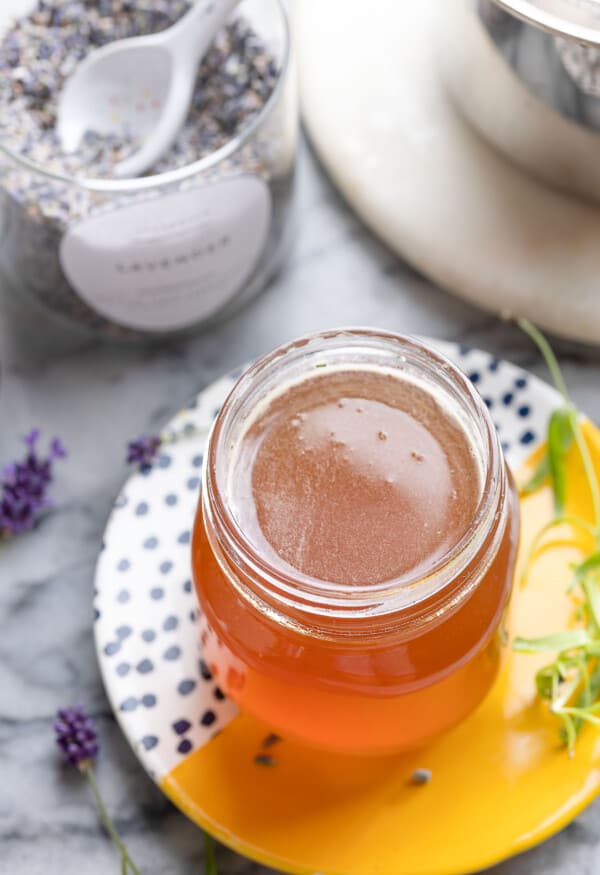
x=526 y=75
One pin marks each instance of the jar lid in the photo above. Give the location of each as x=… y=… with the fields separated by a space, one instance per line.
x=578 y=19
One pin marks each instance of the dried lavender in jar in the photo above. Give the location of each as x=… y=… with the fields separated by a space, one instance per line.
x=243 y=105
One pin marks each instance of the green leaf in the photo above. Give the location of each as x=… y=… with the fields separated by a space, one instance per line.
x=568 y=733
x=546 y=680
x=591 y=591
x=538 y=478
x=588 y=565
x=553 y=643
x=560 y=438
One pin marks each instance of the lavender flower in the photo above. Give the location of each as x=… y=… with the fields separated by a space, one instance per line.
x=76 y=736
x=77 y=740
x=24 y=486
x=143 y=452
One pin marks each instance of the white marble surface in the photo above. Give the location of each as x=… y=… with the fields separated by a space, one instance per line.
x=96 y=398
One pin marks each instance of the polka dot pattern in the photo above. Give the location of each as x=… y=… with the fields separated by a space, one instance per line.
x=146 y=628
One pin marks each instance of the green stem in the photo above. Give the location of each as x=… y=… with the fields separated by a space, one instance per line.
x=210 y=859
x=548 y=354
x=108 y=824
x=536 y=544
x=590 y=474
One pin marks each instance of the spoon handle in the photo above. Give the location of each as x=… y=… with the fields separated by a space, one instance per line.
x=192 y=35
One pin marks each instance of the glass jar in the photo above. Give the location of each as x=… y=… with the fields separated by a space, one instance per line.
x=368 y=668
x=160 y=254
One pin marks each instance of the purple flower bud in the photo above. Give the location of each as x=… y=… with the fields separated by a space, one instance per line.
x=24 y=486
x=143 y=452
x=76 y=736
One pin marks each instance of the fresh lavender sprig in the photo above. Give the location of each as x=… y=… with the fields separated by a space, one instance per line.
x=143 y=451
x=77 y=740
x=24 y=486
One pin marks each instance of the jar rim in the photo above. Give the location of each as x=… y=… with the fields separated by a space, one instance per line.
x=300 y=591
x=168 y=177
x=556 y=22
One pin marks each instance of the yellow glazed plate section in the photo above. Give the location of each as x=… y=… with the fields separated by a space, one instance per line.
x=501 y=782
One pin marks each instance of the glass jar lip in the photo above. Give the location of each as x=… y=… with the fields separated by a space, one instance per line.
x=557 y=22
x=145 y=183
x=297 y=588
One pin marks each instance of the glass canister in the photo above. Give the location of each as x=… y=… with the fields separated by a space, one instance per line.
x=361 y=605
x=164 y=253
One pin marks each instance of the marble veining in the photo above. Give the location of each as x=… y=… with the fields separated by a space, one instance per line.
x=96 y=398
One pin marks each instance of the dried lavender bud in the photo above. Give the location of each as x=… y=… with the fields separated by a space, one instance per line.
x=262 y=759
x=234 y=80
x=143 y=452
x=420 y=777
x=76 y=736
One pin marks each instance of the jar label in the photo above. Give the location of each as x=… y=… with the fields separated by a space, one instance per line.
x=166 y=263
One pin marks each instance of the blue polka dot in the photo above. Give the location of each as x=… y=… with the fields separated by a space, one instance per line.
x=124 y=565
x=149 y=742
x=142 y=509
x=204 y=670
x=507 y=399
x=216 y=412
x=488 y=403
x=524 y=411
x=164 y=460
x=96 y=614
x=186 y=687
x=527 y=437
x=505 y=446
x=129 y=704
x=123 y=669
x=184 y=538
x=464 y=349
x=193 y=483
x=192 y=616
x=187 y=586
x=148 y=635
x=521 y=382
x=181 y=726
x=197 y=461
x=157 y=593
x=123 y=596
x=165 y=566
x=219 y=694
x=112 y=647
x=171 y=500
x=474 y=376
x=149 y=700
x=170 y=623
x=184 y=746
x=121 y=502
x=208 y=718
x=151 y=543
x=493 y=365
x=123 y=632
x=145 y=666
x=173 y=652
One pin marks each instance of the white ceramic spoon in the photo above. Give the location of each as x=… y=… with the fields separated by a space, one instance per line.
x=141 y=85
